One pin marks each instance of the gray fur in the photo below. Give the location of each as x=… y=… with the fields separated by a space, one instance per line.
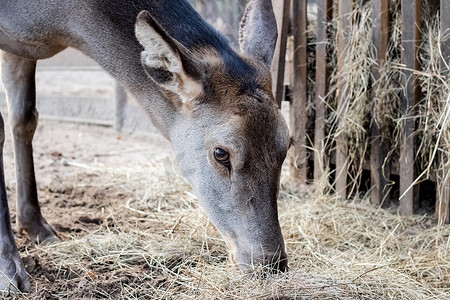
x=258 y=31
x=242 y=205
x=13 y=276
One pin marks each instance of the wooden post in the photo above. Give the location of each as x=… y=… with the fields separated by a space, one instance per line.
x=120 y=101
x=443 y=192
x=281 y=10
x=298 y=116
x=411 y=16
x=379 y=146
x=442 y=212
x=324 y=15
x=344 y=23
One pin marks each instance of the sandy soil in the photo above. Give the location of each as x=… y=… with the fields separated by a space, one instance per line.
x=74 y=195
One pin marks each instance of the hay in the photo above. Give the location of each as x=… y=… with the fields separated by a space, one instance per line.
x=160 y=245
x=434 y=109
x=351 y=115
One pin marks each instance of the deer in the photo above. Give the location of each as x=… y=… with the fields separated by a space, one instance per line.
x=213 y=103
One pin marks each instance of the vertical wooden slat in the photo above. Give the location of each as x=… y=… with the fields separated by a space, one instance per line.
x=298 y=116
x=379 y=146
x=120 y=100
x=443 y=192
x=344 y=23
x=411 y=18
x=281 y=10
x=445 y=27
x=324 y=15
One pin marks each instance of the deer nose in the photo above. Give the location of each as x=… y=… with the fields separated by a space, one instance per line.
x=273 y=262
x=277 y=262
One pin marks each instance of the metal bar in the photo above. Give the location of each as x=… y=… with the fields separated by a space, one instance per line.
x=77 y=120
x=120 y=101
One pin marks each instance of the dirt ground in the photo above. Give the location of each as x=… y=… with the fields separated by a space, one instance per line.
x=76 y=196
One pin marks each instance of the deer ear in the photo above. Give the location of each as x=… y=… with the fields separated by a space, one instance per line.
x=166 y=61
x=258 y=31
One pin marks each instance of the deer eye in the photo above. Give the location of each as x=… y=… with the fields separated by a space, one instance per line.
x=221 y=155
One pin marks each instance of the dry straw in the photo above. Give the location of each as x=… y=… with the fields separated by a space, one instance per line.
x=359 y=93
x=434 y=109
x=350 y=117
x=160 y=245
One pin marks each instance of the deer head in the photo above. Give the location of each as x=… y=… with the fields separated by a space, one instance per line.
x=227 y=131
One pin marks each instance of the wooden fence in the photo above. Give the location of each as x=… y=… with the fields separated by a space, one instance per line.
x=296 y=11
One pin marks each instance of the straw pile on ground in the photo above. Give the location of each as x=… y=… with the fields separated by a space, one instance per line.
x=158 y=244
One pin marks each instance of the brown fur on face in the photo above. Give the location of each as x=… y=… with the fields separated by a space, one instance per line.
x=247 y=97
x=227 y=77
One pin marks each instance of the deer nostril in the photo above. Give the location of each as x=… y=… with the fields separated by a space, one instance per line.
x=278 y=263
x=281 y=265
x=250 y=200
